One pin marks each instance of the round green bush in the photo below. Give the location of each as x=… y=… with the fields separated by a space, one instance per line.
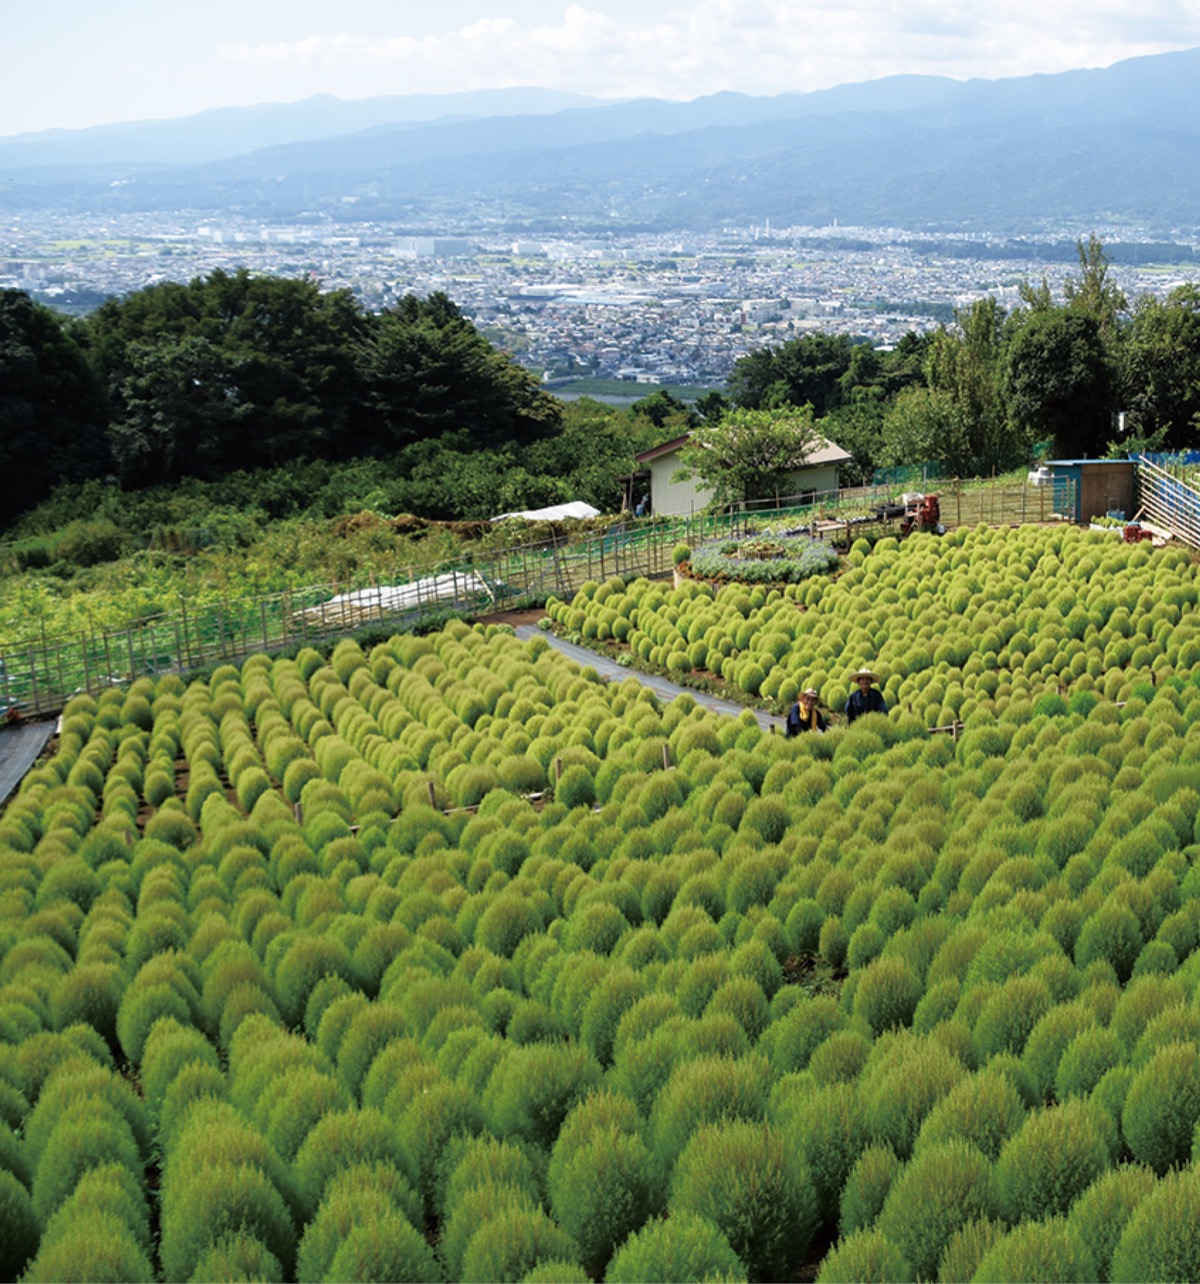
x=84 y=1086
x=1114 y=934
x=309 y=959
x=575 y=787
x=1159 y=1241
x=19 y=1226
x=1057 y=1154
x=195 y=1082
x=965 y=1249
x=432 y=1118
x=93 y=1246
x=841 y=1057
x=534 y=1087
x=507 y=1246
x=1050 y=1250
x=237 y=1256
x=866 y=1188
x=346 y=1139
x=904 y=1078
x=1162 y=1107
x=1100 y=1214
x=616 y=994
x=141 y=1006
x=984 y=1109
x=826 y=1126
x=865 y=1255
x=169 y=1047
x=676 y=1250
x=84 y=1137
x=385 y=1248
x=704 y=1090
x=798 y=1034
x=602 y=1190
x=506 y=922
x=202 y=1205
x=887 y=993
x=937 y=1193
x=744 y=1177
x=1087 y=1058
x=1009 y=1015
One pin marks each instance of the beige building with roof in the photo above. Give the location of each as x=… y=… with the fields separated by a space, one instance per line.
x=679 y=498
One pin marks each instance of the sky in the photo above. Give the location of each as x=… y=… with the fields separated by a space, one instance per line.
x=75 y=63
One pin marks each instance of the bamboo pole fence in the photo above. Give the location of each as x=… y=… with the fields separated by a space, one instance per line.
x=42 y=672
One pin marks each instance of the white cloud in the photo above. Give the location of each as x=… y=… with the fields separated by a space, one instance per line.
x=757 y=46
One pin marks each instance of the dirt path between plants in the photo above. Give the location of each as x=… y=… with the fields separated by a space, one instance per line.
x=664 y=689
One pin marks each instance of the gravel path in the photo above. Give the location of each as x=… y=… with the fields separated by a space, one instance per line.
x=661 y=687
x=19 y=749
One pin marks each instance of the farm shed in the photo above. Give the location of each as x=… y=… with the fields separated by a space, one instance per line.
x=675 y=499
x=1100 y=486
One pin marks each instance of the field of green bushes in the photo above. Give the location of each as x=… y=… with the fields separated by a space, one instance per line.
x=450 y=961
x=971 y=620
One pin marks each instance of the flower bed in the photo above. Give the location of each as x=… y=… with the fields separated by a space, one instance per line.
x=780 y=559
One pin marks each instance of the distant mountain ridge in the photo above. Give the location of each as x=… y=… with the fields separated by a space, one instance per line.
x=1119 y=144
x=229 y=131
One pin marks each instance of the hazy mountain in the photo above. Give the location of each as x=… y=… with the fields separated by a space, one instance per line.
x=231 y=131
x=1120 y=143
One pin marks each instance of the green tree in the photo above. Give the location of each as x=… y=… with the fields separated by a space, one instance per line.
x=858 y=427
x=750 y=454
x=269 y=362
x=957 y=418
x=712 y=405
x=429 y=371
x=1160 y=372
x=922 y=425
x=1057 y=380
x=660 y=406
x=803 y=371
x=1094 y=292
x=594 y=448
x=181 y=410
x=51 y=407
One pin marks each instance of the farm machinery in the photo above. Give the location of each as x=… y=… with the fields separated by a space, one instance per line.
x=921 y=513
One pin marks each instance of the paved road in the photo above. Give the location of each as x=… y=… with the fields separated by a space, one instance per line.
x=661 y=687
x=19 y=749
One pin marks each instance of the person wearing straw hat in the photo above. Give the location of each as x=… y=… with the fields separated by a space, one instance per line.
x=867 y=698
x=804 y=714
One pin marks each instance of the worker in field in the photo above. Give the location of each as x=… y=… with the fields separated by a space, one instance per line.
x=804 y=714
x=867 y=699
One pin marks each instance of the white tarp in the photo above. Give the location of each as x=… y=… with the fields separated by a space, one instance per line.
x=556 y=513
x=364 y=604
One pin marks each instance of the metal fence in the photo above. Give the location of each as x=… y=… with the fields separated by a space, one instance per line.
x=43 y=672
x=1167 y=496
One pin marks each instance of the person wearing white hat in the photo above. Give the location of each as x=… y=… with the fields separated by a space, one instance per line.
x=804 y=714
x=867 y=698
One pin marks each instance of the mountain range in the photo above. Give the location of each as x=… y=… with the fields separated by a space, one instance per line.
x=1111 y=147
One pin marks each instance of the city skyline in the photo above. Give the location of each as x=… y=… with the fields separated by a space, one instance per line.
x=73 y=65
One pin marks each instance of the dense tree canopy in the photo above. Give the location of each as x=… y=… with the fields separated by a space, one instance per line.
x=428 y=371
x=234 y=371
x=1160 y=370
x=51 y=413
x=1058 y=382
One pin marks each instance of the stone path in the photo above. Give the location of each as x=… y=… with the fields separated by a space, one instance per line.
x=19 y=749
x=664 y=689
